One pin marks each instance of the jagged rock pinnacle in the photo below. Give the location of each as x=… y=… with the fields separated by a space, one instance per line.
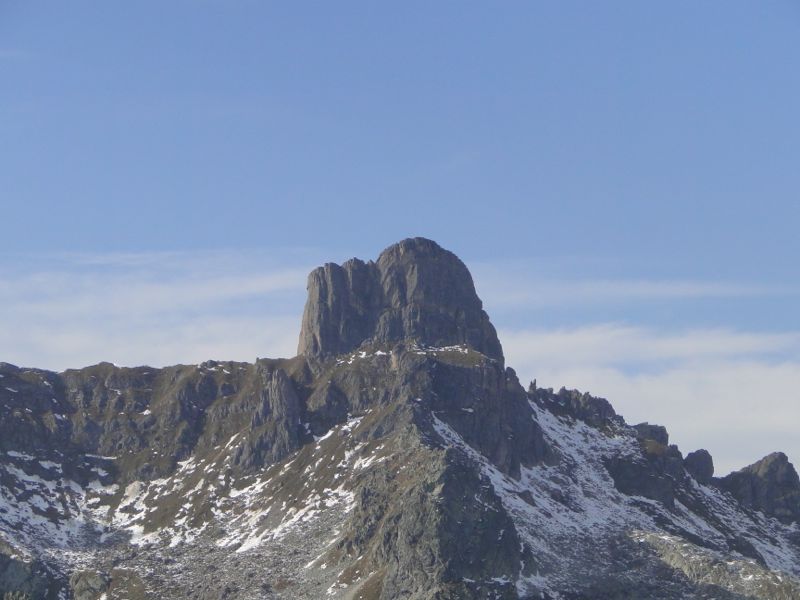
x=416 y=291
x=770 y=484
x=700 y=465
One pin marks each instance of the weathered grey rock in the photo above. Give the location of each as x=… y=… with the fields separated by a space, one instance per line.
x=24 y=580
x=656 y=433
x=657 y=476
x=700 y=465
x=88 y=585
x=488 y=407
x=416 y=291
x=412 y=536
x=594 y=411
x=642 y=478
x=770 y=485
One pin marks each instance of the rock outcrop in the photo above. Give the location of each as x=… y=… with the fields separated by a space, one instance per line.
x=700 y=465
x=88 y=585
x=770 y=485
x=653 y=433
x=416 y=292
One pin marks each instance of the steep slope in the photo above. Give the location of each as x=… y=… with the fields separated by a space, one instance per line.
x=395 y=457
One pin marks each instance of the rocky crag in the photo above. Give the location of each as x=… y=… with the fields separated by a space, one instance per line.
x=395 y=457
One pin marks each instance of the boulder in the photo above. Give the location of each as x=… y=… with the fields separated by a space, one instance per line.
x=88 y=585
x=699 y=465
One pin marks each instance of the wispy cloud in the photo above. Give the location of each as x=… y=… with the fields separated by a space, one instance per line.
x=72 y=295
x=732 y=392
x=162 y=308
x=505 y=292
x=612 y=344
x=515 y=284
x=148 y=341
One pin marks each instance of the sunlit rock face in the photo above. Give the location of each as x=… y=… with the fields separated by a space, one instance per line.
x=416 y=291
x=395 y=457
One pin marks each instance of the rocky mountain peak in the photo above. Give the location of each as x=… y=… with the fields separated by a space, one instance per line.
x=770 y=484
x=700 y=465
x=415 y=292
x=775 y=466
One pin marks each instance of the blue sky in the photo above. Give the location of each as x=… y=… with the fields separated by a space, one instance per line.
x=621 y=177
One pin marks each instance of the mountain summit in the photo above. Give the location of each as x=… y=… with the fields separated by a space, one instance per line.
x=415 y=292
x=396 y=457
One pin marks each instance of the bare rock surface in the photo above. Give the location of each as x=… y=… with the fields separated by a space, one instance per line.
x=415 y=291
x=700 y=465
x=770 y=485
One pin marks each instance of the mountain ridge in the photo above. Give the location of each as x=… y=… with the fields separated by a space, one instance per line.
x=395 y=457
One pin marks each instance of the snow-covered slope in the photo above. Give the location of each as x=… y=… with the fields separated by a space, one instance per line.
x=583 y=533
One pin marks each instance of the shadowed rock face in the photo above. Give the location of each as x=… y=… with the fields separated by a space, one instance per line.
x=770 y=485
x=416 y=291
x=656 y=433
x=700 y=465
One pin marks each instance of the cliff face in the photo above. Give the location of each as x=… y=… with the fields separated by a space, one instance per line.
x=416 y=292
x=395 y=457
x=770 y=485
